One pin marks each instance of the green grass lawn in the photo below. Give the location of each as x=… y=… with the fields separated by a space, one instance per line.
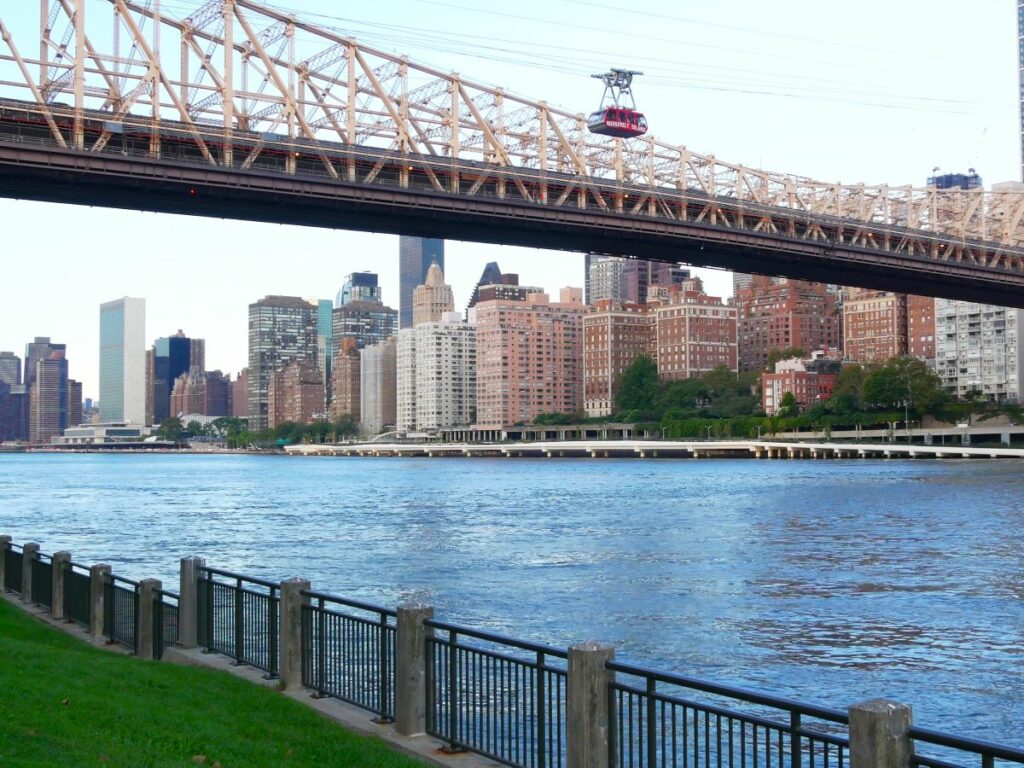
x=64 y=703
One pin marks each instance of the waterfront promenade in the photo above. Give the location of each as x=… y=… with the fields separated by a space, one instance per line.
x=663 y=449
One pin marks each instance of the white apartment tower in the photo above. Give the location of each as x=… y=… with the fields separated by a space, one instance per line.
x=123 y=361
x=437 y=375
x=377 y=382
x=978 y=350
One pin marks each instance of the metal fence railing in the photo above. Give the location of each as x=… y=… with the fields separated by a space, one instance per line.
x=13 y=559
x=348 y=652
x=77 y=588
x=238 y=616
x=502 y=698
x=42 y=580
x=165 y=621
x=934 y=749
x=120 y=611
x=659 y=719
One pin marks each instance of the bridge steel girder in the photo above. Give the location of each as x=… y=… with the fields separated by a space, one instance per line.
x=51 y=174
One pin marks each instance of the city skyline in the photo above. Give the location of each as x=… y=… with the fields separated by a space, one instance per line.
x=882 y=118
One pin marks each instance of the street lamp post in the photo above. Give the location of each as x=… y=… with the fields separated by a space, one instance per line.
x=708 y=428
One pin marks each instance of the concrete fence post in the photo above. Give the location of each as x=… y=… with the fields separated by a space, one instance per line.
x=588 y=735
x=410 y=668
x=98 y=575
x=5 y=544
x=145 y=646
x=188 y=602
x=880 y=735
x=61 y=562
x=29 y=553
x=290 y=646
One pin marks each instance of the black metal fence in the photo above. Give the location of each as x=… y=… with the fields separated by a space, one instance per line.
x=77 y=588
x=13 y=559
x=121 y=611
x=42 y=580
x=165 y=621
x=348 y=652
x=664 y=720
x=238 y=616
x=933 y=749
x=502 y=698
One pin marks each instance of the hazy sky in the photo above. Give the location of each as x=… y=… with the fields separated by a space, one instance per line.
x=870 y=91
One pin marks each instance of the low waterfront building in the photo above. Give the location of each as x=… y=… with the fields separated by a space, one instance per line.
x=99 y=434
x=810 y=381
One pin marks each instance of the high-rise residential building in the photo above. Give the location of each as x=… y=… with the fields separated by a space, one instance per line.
x=48 y=398
x=345 y=381
x=123 y=361
x=296 y=394
x=74 y=403
x=432 y=299
x=10 y=368
x=615 y=333
x=694 y=332
x=874 y=325
x=240 y=395
x=197 y=354
x=358 y=286
x=529 y=357
x=368 y=322
x=415 y=255
x=979 y=350
x=774 y=315
x=205 y=393
x=37 y=350
x=282 y=329
x=170 y=357
x=378 y=386
x=921 y=327
x=810 y=381
x=436 y=375
x=740 y=280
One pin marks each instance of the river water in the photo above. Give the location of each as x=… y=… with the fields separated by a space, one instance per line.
x=827 y=581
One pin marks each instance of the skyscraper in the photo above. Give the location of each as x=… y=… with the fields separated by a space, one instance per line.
x=358 y=286
x=123 y=361
x=415 y=255
x=48 y=398
x=37 y=350
x=378 y=386
x=172 y=357
x=282 y=329
x=436 y=379
x=10 y=368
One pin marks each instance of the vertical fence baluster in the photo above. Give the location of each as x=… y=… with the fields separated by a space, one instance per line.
x=652 y=731
x=273 y=608
x=794 y=738
x=321 y=648
x=541 y=712
x=453 y=694
x=383 y=669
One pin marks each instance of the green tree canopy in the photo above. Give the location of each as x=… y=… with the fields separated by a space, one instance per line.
x=904 y=380
x=638 y=386
x=171 y=429
x=783 y=354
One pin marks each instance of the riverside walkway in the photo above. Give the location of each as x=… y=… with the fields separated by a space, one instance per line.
x=663 y=449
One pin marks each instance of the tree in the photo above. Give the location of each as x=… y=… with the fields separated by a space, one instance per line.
x=171 y=429
x=849 y=389
x=904 y=382
x=638 y=386
x=787 y=406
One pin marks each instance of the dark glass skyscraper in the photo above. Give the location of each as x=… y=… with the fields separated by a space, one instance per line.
x=172 y=356
x=415 y=255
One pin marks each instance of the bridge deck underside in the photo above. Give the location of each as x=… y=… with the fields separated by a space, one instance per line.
x=394 y=205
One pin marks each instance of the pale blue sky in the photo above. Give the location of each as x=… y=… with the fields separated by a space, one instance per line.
x=866 y=91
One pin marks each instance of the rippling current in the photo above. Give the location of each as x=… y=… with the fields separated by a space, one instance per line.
x=828 y=581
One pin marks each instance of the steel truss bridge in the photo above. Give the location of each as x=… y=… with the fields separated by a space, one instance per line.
x=242 y=111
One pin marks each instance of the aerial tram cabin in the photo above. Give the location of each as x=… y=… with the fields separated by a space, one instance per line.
x=614 y=117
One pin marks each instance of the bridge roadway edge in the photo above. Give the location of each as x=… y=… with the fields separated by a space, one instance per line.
x=352 y=718
x=47 y=174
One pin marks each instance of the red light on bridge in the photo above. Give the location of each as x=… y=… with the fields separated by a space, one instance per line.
x=192 y=192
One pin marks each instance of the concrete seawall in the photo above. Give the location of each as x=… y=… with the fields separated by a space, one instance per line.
x=662 y=449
